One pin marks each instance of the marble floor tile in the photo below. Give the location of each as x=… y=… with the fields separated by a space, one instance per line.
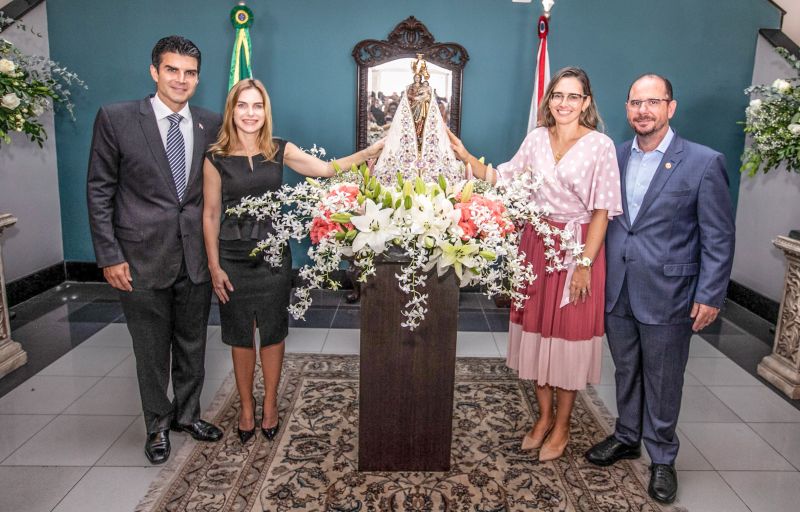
x=476 y=344
x=766 y=491
x=706 y=491
x=608 y=394
x=472 y=321
x=689 y=457
x=498 y=320
x=346 y=318
x=501 y=340
x=607 y=370
x=45 y=394
x=127 y=368
x=111 y=396
x=306 y=340
x=698 y=404
x=699 y=347
x=717 y=371
x=342 y=341
x=88 y=361
x=36 y=489
x=218 y=364
x=128 y=449
x=756 y=403
x=734 y=446
x=113 y=335
x=70 y=441
x=784 y=437
x=100 y=487
x=210 y=388
x=18 y=428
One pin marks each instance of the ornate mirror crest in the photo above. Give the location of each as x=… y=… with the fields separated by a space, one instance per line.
x=383 y=65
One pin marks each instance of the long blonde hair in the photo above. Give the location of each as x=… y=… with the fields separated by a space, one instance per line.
x=589 y=118
x=228 y=138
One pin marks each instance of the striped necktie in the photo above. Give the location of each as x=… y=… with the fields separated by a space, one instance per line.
x=176 y=153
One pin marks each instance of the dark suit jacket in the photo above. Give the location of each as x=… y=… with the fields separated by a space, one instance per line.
x=679 y=250
x=134 y=212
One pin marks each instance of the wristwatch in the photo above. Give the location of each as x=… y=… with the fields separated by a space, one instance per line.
x=584 y=262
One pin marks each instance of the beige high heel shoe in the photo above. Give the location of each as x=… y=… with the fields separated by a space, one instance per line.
x=550 y=452
x=531 y=443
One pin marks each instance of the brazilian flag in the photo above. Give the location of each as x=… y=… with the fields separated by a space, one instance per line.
x=241 y=59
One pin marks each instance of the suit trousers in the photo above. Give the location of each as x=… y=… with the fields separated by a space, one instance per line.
x=650 y=362
x=163 y=323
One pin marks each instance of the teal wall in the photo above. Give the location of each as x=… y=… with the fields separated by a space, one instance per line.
x=302 y=53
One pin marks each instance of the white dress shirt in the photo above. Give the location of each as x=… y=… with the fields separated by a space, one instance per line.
x=162 y=111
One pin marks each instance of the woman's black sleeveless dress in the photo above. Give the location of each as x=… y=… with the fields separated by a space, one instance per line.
x=260 y=291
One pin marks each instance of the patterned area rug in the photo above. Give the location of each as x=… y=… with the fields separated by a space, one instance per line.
x=312 y=464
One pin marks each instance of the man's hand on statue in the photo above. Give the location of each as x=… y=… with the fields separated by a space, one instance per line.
x=703 y=316
x=119 y=276
x=458 y=146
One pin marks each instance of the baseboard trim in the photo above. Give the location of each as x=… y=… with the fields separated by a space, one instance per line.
x=83 y=272
x=33 y=284
x=753 y=301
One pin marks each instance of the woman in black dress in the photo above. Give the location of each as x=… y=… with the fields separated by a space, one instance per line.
x=247 y=161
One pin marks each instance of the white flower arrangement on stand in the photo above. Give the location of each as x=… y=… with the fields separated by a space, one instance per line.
x=425 y=226
x=29 y=86
x=773 y=123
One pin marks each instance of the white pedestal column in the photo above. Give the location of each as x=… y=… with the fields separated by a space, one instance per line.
x=11 y=354
x=782 y=367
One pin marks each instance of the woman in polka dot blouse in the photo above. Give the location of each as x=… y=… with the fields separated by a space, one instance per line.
x=555 y=339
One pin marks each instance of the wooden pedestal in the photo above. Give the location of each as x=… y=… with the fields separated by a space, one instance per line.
x=406 y=377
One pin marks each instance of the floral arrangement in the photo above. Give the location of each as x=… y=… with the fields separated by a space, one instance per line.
x=29 y=86
x=773 y=123
x=470 y=227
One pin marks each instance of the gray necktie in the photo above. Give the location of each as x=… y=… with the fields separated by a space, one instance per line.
x=176 y=154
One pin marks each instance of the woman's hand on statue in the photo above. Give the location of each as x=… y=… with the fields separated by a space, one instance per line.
x=458 y=147
x=222 y=285
x=580 y=286
x=374 y=150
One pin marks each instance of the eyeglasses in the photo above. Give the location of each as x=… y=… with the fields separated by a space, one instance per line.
x=650 y=102
x=572 y=98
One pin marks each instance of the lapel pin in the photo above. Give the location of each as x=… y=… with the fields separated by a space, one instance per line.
x=668 y=165
x=201 y=127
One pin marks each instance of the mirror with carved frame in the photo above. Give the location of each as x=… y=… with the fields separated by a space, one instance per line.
x=384 y=71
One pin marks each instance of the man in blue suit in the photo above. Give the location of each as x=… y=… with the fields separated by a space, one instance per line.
x=669 y=261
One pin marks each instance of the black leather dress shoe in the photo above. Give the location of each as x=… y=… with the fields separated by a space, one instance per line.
x=663 y=483
x=156 y=448
x=200 y=430
x=610 y=450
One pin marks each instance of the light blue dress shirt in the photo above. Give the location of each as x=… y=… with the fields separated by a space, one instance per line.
x=640 y=171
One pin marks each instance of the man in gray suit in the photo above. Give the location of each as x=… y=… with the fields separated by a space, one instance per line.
x=145 y=203
x=669 y=261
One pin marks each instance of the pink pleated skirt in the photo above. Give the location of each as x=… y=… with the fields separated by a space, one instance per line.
x=560 y=347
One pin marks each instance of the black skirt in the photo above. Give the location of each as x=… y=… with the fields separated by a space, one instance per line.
x=260 y=293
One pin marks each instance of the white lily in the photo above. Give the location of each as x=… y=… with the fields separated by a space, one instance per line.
x=375 y=228
x=460 y=256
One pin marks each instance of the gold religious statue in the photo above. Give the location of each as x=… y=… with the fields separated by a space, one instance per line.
x=419 y=95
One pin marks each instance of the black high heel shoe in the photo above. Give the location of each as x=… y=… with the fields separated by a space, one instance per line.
x=246 y=435
x=270 y=432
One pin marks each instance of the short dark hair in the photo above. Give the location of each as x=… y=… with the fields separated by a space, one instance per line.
x=665 y=80
x=175 y=44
